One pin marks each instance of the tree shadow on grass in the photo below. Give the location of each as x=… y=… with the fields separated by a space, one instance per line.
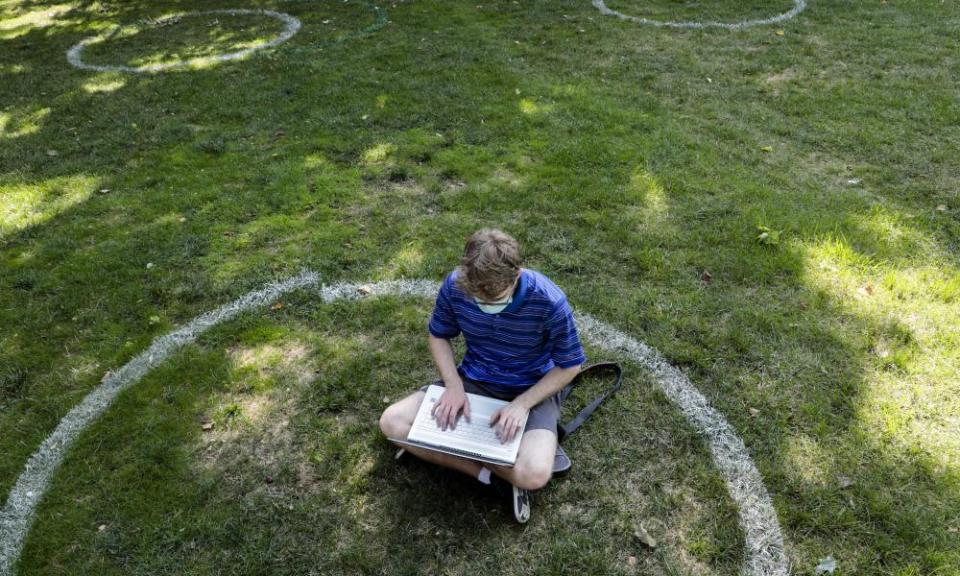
x=577 y=180
x=257 y=451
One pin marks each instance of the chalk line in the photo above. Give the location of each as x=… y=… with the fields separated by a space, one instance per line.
x=290 y=27
x=798 y=7
x=765 y=554
x=17 y=513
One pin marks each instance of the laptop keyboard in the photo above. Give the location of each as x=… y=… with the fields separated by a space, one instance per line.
x=473 y=432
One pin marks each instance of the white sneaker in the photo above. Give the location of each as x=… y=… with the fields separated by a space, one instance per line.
x=521 y=505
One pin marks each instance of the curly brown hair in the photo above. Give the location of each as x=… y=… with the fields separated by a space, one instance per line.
x=490 y=263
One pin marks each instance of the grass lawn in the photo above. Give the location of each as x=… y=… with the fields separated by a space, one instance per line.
x=774 y=209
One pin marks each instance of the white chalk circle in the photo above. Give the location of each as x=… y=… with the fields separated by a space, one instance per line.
x=290 y=27
x=764 y=556
x=798 y=7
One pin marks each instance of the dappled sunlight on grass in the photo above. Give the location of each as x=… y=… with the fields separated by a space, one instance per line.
x=531 y=107
x=406 y=262
x=250 y=415
x=192 y=40
x=807 y=462
x=104 y=83
x=909 y=396
x=12 y=68
x=644 y=214
x=24 y=23
x=634 y=164
x=313 y=455
x=256 y=421
x=378 y=153
x=655 y=205
x=22 y=123
x=26 y=205
x=890 y=234
x=260 y=364
x=315 y=161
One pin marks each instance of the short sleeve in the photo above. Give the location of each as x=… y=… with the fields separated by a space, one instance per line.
x=566 y=350
x=443 y=321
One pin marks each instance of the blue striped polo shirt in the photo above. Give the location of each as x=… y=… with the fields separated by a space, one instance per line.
x=513 y=349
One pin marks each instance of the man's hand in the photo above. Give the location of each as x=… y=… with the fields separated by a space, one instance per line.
x=448 y=407
x=509 y=420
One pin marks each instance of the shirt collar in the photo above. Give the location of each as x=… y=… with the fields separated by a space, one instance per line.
x=519 y=294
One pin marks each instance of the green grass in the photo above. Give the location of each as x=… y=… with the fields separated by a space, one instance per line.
x=173 y=38
x=695 y=11
x=628 y=160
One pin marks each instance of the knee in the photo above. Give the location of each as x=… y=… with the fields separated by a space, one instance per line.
x=392 y=423
x=532 y=476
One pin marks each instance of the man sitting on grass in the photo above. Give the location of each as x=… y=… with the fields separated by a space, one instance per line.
x=522 y=346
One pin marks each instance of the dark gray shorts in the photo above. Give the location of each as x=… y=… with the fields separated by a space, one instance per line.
x=543 y=416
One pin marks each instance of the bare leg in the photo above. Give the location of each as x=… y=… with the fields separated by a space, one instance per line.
x=534 y=465
x=396 y=422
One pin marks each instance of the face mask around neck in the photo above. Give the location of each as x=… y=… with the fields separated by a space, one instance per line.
x=494 y=307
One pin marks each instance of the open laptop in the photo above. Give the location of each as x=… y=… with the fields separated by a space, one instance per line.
x=476 y=439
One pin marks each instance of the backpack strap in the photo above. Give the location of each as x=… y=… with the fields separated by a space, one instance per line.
x=564 y=430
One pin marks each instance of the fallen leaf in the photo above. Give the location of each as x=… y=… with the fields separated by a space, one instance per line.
x=868 y=288
x=780 y=32
x=277 y=306
x=707 y=277
x=644 y=537
x=826 y=566
x=766 y=148
x=768 y=236
x=106 y=376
